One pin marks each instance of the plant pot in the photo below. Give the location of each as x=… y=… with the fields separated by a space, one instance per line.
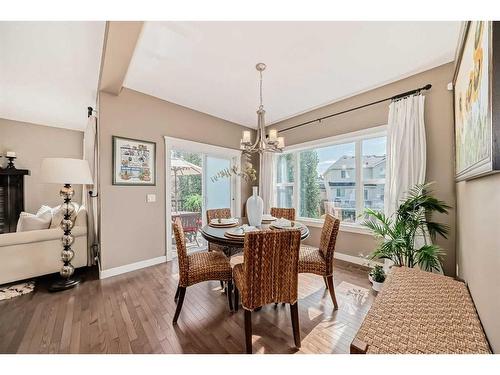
x=255 y=209
x=377 y=286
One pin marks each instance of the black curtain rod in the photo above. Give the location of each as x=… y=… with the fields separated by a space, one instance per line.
x=395 y=97
x=89 y=111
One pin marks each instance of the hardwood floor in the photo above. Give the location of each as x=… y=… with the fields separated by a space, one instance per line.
x=132 y=313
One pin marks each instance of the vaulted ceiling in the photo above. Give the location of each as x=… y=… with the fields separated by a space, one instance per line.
x=49 y=71
x=210 y=66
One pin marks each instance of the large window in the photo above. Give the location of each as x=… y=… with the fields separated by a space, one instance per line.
x=285 y=176
x=340 y=176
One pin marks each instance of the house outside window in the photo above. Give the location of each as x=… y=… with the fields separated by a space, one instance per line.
x=341 y=176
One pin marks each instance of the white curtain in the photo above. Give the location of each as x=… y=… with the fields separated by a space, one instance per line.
x=266 y=179
x=406 y=149
x=406 y=152
x=90 y=202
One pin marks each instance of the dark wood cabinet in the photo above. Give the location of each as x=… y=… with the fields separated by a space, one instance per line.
x=11 y=197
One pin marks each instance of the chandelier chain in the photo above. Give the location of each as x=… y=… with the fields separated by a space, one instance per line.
x=261 y=105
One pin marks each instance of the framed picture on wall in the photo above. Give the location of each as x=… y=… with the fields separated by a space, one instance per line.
x=134 y=162
x=477 y=131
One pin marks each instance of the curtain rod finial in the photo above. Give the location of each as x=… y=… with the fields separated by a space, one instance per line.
x=89 y=111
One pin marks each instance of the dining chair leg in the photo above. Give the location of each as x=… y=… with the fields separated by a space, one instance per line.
x=229 y=294
x=329 y=280
x=236 y=298
x=326 y=283
x=176 y=294
x=182 y=293
x=248 y=331
x=294 y=312
x=222 y=284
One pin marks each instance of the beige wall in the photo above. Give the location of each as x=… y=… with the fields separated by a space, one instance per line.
x=478 y=248
x=32 y=143
x=439 y=131
x=133 y=230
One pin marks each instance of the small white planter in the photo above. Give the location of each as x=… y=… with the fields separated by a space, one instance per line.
x=377 y=286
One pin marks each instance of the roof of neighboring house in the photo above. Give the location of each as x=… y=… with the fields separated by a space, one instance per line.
x=347 y=162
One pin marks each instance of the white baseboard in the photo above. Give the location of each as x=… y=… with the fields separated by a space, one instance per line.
x=151 y=262
x=131 y=267
x=352 y=259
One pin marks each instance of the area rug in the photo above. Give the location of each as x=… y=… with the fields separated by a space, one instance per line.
x=356 y=292
x=12 y=291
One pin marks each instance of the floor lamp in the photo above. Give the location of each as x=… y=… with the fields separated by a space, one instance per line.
x=67 y=172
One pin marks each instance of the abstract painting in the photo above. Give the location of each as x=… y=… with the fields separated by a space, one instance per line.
x=472 y=93
x=134 y=162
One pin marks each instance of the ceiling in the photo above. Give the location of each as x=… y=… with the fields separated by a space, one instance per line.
x=210 y=66
x=49 y=71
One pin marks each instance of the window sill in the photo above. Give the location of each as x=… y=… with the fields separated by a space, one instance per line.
x=344 y=227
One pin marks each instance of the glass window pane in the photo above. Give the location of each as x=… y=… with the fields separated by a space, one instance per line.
x=219 y=191
x=186 y=175
x=374 y=163
x=328 y=182
x=285 y=168
x=284 y=196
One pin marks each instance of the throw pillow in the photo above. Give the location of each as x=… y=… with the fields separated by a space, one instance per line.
x=58 y=215
x=41 y=220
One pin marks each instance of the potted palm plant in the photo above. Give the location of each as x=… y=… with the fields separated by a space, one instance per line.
x=404 y=236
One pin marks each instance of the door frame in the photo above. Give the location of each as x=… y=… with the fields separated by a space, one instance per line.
x=202 y=148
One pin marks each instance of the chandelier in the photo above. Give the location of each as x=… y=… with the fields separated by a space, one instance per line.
x=263 y=143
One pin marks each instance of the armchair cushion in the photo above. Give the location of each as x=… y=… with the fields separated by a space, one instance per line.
x=33 y=236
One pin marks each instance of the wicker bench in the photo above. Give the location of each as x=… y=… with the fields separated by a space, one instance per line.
x=421 y=312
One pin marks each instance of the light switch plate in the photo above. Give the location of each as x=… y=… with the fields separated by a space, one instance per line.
x=150 y=198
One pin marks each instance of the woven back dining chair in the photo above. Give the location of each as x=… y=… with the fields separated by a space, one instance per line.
x=217 y=213
x=198 y=267
x=269 y=274
x=319 y=261
x=286 y=213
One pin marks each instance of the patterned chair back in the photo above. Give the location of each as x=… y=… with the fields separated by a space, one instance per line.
x=287 y=213
x=218 y=213
x=328 y=240
x=182 y=258
x=270 y=267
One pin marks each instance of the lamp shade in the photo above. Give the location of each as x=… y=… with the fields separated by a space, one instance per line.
x=66 y=171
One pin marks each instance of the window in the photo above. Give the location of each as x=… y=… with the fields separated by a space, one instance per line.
x=374 y=150
x=285 y=175
x=340 y=176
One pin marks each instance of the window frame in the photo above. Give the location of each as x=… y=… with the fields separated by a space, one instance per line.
x=356 y=137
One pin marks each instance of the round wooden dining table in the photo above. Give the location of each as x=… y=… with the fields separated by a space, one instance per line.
x=216 y=235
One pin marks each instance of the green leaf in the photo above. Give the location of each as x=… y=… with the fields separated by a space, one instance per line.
x=428 y=257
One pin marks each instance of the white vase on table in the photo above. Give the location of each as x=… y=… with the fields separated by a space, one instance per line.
x=255 y=208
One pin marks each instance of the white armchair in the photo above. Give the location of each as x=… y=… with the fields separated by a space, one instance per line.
x=35 y=253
